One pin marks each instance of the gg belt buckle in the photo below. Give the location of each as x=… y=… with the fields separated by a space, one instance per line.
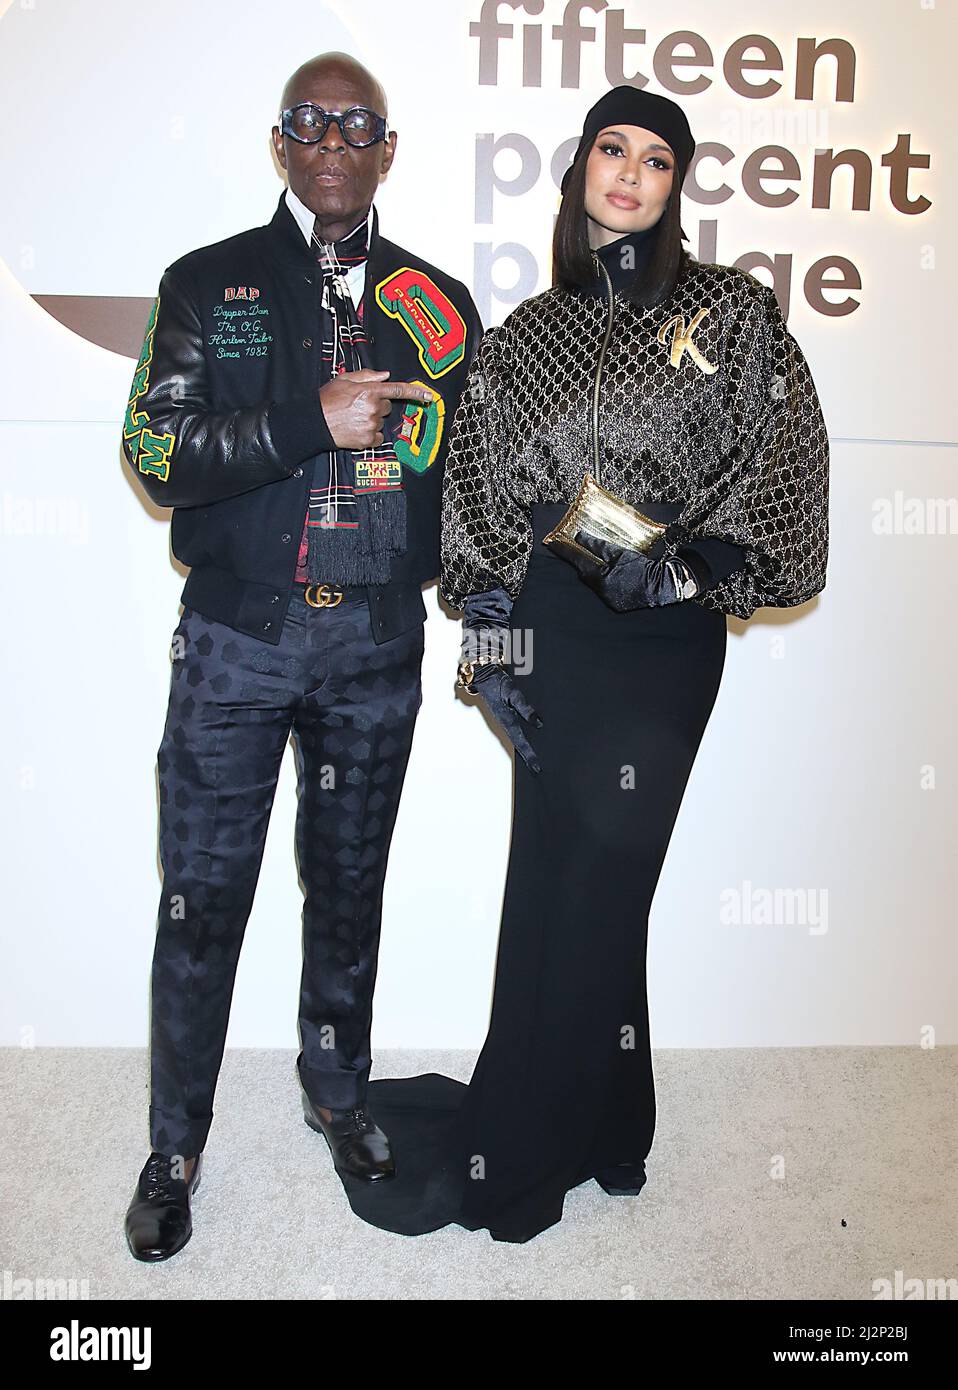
x=326 y=595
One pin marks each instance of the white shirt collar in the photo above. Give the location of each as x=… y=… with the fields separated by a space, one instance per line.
x=306 y=219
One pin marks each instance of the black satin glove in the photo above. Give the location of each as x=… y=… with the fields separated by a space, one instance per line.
x=508 y=707
x=485 y=643
x=663 y=574
x=675 y=567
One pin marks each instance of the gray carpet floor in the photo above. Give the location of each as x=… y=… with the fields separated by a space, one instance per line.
x=776 y=1173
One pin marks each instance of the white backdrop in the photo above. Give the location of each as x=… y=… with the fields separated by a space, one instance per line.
x=809 y=892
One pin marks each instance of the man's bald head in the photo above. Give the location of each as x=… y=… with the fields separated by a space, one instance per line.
x=335 y=67
x=337 y=181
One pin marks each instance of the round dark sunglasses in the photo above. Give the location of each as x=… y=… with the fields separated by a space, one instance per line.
x=309 y=123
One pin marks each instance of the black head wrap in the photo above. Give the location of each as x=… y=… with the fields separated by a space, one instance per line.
x=632 y=106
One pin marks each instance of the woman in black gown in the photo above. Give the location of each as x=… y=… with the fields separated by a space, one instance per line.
x=710 y=421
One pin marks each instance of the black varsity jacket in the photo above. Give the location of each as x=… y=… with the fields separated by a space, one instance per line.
x=224 y=421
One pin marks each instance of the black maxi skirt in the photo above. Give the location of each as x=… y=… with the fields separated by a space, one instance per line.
x=563 y=1089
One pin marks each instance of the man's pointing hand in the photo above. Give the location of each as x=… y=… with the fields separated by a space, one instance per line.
x=356 y=403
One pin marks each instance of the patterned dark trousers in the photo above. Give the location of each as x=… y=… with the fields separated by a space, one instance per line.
x=351 y=706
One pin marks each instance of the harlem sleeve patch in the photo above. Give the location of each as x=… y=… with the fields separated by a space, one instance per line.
x=148 y=450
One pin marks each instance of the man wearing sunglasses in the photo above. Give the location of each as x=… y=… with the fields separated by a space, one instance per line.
x=290 y=405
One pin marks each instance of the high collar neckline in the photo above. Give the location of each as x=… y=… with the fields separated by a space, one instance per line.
x=621 y=266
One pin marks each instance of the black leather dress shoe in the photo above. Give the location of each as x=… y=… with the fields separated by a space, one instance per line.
x=158 y=1219
x=358 y=1146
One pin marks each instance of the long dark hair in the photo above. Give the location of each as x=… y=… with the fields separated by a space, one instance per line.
x=572 y=265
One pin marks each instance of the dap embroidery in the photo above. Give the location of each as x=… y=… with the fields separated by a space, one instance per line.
x=682 y=341
x=241 y=325
x=420 y=431
x=150 y=452
x=428 y=316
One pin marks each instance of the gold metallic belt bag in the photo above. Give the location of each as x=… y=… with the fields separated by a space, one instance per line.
x=596 y=515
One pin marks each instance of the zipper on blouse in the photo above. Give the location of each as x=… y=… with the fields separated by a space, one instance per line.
x=598 y=370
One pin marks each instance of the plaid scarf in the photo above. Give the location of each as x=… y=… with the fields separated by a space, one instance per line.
x=357 y=506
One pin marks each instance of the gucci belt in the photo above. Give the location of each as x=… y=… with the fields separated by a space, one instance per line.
x=323 y=595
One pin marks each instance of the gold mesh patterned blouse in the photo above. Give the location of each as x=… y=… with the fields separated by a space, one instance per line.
x=706 y=401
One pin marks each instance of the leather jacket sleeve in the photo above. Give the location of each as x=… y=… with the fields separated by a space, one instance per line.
x=183 y=452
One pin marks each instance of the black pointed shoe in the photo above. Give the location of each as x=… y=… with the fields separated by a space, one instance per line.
x=159 y=1221
x=359 y=1147
x=627 y=1180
